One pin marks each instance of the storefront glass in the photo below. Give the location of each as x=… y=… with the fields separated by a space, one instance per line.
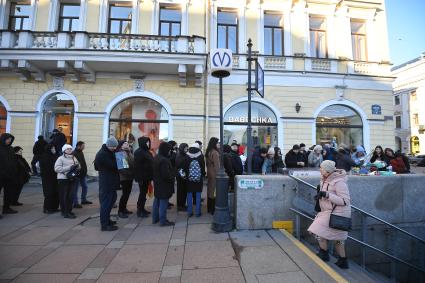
x=58 y=112
x=339 y=124
x=3 y=118
x=264 y=125
x=137 y=117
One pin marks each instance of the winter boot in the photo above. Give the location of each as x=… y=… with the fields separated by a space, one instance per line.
x=323 y=254
x=342 y=263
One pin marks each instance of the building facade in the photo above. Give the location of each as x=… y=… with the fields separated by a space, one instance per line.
x=409 y=110
x=131 y=68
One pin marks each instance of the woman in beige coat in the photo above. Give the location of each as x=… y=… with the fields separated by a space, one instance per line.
x=333 y=194
x=213 y=165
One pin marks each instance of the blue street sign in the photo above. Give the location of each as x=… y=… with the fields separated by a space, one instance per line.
x=259 y=79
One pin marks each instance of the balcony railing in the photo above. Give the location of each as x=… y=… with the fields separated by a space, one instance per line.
x=102 y=41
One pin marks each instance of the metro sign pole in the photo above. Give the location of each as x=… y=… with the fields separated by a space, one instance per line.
x=221 y=67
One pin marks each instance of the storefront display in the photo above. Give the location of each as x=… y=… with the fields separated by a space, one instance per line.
x=3 y=119
x=137 y=117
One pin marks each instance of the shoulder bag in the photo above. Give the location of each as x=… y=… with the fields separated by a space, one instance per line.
x=339 y=222
x=74 y=172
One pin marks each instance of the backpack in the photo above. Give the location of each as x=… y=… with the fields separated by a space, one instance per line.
x=194 y=171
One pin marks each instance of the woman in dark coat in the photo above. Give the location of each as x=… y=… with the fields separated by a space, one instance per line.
x=195 y=171
x=143 y=162
x=181 y=159
x=24 y=174
x=163 y=180
x=277 y=161
x=49 y=179
x=8 y=171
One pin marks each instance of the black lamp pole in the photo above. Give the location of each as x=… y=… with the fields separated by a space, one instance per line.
x=249 y=128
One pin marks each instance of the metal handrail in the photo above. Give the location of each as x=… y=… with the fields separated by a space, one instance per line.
x=367 y=245
x=366 y=213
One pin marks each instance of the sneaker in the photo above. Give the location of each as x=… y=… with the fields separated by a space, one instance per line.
x=342 y=263
x=109 y=228
x=9 y=211
x=70 y=216
x=166 y=223
x=86 y=202
x=323 y=254
x=78 y=206
x=122 y=215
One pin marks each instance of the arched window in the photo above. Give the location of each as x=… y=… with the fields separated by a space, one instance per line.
x=139 y=116
x=339 y=124
x=414 y=144
x=264 y=124
x=3 y=118
x=58 y=113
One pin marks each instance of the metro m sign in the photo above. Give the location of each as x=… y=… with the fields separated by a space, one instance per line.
x=221 y=62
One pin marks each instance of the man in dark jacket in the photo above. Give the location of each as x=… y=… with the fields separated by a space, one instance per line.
x=236 y=159
x=49 y=179
x=294 y=158
x=8 y=171
x=258 y=159
x=343 y=160
x=143 y=171
x=37 y=150
x=58 y=139
x=181 y=159
x=228 y=165
x=82 y=178
x=194 y=170
x=109 y=182
x=163 y=179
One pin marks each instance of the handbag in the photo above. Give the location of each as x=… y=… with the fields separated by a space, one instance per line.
x=339 y=222
x=73 y=173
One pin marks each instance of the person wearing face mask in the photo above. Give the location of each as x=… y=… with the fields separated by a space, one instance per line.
x=181 y=176
x=24 y=174
x=109 y=182
x=63 y=165
x=126 y=177
x=49 y=179
x=143 y=172
x=294 y=158
x=278 y=161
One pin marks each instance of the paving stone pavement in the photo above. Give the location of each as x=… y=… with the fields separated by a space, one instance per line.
x=35 y=247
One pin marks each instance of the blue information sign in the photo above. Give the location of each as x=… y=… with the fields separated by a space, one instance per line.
x=376 y=109
x=259 y=79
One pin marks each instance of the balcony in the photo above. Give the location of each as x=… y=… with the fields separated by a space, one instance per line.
x=82 y=54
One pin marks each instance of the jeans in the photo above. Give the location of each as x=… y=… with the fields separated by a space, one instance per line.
x=66 y=191
x=83 y=182
x=159 y=210
x=107 y=198
x=143 y=186
x=126 y=186
x=198 y=203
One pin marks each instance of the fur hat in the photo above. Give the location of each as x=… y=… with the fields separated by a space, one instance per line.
x=65 y=147
x=328 y=166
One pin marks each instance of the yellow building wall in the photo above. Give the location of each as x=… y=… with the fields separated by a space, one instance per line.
x=252 y=18
x=197 y=18
x=42 y=16
x=145 y=18
x=93 y=13
x=90 y=130
x=22 y=128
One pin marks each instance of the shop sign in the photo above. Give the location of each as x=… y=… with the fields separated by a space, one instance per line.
x=376 y=109
x=262 y=120
x=254 y=184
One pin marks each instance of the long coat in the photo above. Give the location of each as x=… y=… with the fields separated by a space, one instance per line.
x=8 y=159
x=213 y=164
x=106 y=164
x=339 y=196
x=143 y=161
x=163 y=173
x=24 y=170
x=47 y=166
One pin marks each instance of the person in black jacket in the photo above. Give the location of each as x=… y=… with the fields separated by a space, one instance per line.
x=294 y=158
x=194 y=169
x=236 y=159
x=58 y=139
x=143 y=173
x=24 y=174
x=163 y=179
x=109 y=182
x=343 y=160
x=258 y=159
x=277 y=160
x=37 y=150
x=82 y=178
x=228 y=166
x=8 y=171
x=181 y=159
x=49 y=179
x=172 y=157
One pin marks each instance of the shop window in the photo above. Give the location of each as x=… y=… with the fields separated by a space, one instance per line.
x=358 y=40
x=227 y=29
x=397 y=100
x=318 y=41
x=398 y=122
x=58 y=113
x=137 y=117
x=414 y=143
x=170 y=18
x=119 y=23
x=264 y=125
x=19 y=17
x=69 y=17
x=3 y=118
x=339 y=124
x=273 y=34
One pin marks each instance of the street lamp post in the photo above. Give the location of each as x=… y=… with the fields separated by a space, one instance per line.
x=249 y=128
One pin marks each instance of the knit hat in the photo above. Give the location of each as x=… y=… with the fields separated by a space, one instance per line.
x=318 y=148
x=270 y=151
x=111 y=142
x=296 y=147
x=195 y=145
x=328 y=166
x=65 y=147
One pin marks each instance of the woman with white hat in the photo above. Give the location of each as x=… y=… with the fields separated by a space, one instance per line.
x=63 y=165
x=334 y=198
